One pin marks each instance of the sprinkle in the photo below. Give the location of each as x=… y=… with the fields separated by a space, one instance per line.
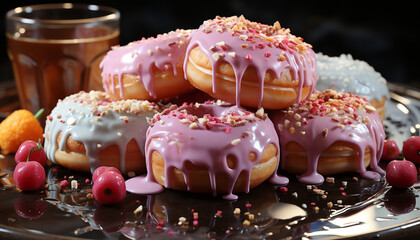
x=329 y=204
x=260 y=113
x=248 y=205
x=283 y=189
x=215 y=56
x=237 y=211
x=149 y=52
x=74 y=184
x=370 y=108
x=330 y=179
x=228 y=129
x=246 y=223
x=219 y=213
x=251 y=217
x=64 y=183
x=221 y=43
x=181 y=220
x=292 y=130
x=339 y=202
x=324 y=132
x=344 y=183
x=267 y=54
x=248 y=57
x=138 y=209
x=232 y=54
x=71 y=121
x=195 y=223
x=193 y=125
x=295 y=194
x=235 y=141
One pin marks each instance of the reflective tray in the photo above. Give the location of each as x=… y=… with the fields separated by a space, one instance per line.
x=356 y=209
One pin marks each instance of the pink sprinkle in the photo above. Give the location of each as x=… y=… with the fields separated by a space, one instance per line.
x=161 y=223
x=227 y=231
x=54 y=170
x=283 y=189
x=312 y=204
x=158 y=228
x=341 y=189
x=64 y=183
x=227 y=130
x=248 y=57
x=171 y=233
x=195 y=223
x=248 y=205
x=344 y=193
x=87 y=180
x=192 y=210
x=267 y=54
x=223 y=48
x=261 y=45
x=195 y=217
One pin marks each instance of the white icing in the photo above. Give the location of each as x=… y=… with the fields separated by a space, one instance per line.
x=350 y=75
x=98 y=126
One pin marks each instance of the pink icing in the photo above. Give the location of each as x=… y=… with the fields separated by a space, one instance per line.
x=245 y=44
x=140 y=56
x=326 y=118
x=181 y=135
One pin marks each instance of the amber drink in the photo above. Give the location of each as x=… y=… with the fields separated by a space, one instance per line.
x=55 y=50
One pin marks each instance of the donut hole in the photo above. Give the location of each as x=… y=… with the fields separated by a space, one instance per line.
x=339 y=157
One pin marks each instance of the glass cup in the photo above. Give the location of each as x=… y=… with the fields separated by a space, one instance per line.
x=55 y=50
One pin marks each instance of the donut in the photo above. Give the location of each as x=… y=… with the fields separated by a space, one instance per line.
x=350 y=75
x=210 y=147
x=90 y=129
x=250 y=64
x=149 y=69
x=331 y=132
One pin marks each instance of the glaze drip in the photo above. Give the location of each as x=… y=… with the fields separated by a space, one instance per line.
x=329 y=117
x=244 y=44
x=139 y=57
x=97 y=121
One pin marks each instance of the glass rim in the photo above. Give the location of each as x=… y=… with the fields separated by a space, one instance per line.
x=113 y=14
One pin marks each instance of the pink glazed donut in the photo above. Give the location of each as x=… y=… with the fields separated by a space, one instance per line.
x=331 y=132
x=149 y=69
x=211 y=148
x=250 y=64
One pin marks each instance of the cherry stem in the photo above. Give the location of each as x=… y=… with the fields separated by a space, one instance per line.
x=39 y=113
x=39 y=147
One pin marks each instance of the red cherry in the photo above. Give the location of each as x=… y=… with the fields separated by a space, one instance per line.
x=390 y=151
x=101 y=170
x=32 y=151
x=109 y=188
x=29 y=176
x=411 y=149
x=401 y=173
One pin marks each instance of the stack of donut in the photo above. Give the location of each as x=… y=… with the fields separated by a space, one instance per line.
x=261 y=80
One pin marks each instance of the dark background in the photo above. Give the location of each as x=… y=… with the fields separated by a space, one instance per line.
x=385 y=35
